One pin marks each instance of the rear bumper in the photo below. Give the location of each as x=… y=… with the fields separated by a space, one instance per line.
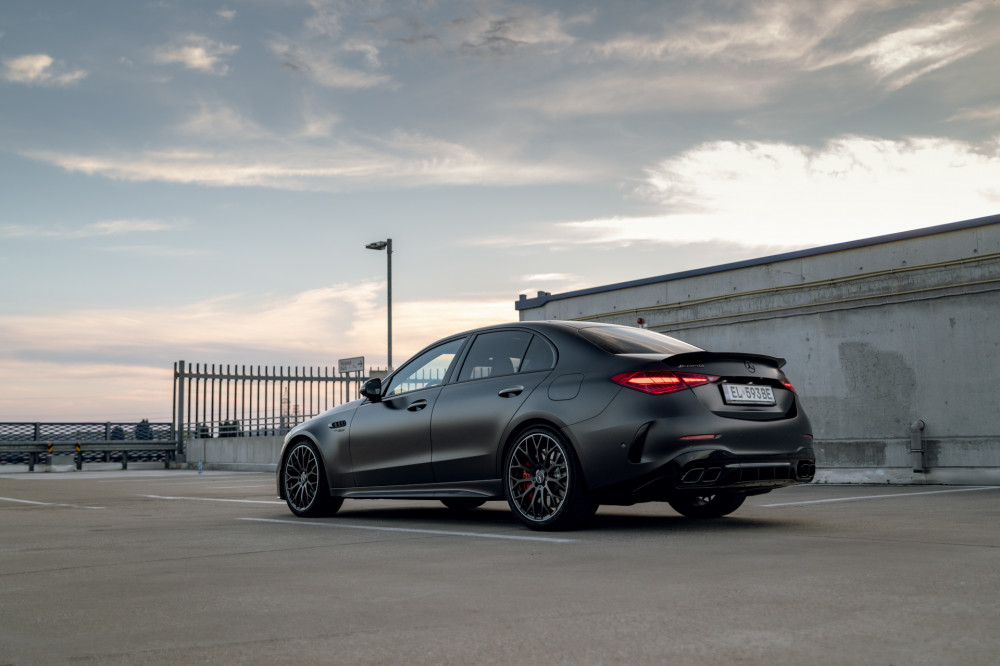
x=718 y=468
x=707 y=470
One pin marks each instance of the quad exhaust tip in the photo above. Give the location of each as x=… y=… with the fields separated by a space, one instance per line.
x=702 y=475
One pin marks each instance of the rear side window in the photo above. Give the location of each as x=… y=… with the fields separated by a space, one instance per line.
x=540 y=356
x=624 y=340
x=495 y=354
x=506 y=353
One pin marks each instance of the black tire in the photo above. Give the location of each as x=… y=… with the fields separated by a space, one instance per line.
x=463 y=503
x=708 y=504
x=543 y=483
x=304 y=483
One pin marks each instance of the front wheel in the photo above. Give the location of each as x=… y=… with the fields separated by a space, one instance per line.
x=304 y=483
x=707 y=505
x=543 y=483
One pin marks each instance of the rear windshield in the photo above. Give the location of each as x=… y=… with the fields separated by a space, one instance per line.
x=624 y=340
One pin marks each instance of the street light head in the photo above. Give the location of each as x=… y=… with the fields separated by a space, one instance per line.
x=378 y=245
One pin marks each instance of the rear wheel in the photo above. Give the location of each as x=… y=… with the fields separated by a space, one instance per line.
x=543 y=483
x=463 y=503
x=707 y=505
x=305 y=485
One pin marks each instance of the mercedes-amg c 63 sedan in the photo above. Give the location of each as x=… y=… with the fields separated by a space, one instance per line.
x=557 y=418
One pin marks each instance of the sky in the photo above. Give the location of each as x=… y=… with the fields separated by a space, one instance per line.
x=197 y=181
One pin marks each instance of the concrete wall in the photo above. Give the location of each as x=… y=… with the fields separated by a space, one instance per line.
x=878 y=334
x=257 y=454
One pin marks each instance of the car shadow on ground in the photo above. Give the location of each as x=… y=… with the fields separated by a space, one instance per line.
x=496 y=514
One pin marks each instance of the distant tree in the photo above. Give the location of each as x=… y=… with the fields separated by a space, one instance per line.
x=117 y=433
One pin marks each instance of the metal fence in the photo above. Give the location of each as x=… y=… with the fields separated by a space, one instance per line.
x=50 y=432
x=33 y=442
x=239 y=401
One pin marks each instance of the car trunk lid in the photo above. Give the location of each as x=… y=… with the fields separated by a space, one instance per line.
x=749 y=386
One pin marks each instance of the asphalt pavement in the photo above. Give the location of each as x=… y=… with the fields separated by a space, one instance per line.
x=177 y=567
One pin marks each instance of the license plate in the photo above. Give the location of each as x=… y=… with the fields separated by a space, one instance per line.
x=748 y=394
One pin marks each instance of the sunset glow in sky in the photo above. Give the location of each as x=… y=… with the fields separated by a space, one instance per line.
x=198 y=181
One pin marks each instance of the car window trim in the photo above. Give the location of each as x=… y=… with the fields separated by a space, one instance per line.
x=459 y=357
x=455 y=370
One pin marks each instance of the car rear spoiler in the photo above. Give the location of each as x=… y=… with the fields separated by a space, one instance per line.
x=700 y=356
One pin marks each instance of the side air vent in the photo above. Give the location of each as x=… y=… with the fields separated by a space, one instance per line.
x=638 y=443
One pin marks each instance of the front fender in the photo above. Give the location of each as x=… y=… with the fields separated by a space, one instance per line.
x=330 y=434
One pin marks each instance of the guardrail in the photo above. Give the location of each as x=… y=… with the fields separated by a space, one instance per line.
x=32 y=443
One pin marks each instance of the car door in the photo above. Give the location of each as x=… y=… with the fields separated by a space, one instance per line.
x=390 y=440
x=501 y=369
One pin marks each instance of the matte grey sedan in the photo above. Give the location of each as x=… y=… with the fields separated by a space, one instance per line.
x=557 y=418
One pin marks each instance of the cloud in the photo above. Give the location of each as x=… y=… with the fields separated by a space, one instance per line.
x=934 y=41
x=322 y=64
x=55 y=391
x=988 y=114
x=226 y=14
x=776 y=32
x=500 y=31
x=40 y=70
x=748 y=56
x=325 y=21
x=300 y=163
x=690 y=60
x=321 y=53
x=490 y=35
x=158 y=251
x=551 y=281
x=317 y=125
x=103 y=228
x=196 y=52
x=323 y=322
x=549 y=277
x=617 y=93
x=220 y=122
x=851 y=187
x=117 y=353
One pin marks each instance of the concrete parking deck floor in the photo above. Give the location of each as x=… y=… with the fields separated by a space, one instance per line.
x=176 y=567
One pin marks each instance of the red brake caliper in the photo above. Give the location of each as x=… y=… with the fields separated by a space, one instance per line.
x=527 y=486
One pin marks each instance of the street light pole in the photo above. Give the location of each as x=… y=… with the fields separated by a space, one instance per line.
x=388 y=260
x=387 y=246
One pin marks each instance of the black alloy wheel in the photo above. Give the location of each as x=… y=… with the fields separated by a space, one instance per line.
x=304 y=483
x=707 y=505
x=543 y=483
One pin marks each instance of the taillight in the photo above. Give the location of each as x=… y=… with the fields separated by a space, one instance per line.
x=658 y=382
x=787 y=384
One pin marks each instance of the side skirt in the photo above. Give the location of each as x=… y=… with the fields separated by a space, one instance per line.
x=491 y=489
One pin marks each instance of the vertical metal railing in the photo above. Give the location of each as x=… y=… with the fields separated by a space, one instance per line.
x=237 y=401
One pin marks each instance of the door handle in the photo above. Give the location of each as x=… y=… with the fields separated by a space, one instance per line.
x=510 y=392
x=417 y=405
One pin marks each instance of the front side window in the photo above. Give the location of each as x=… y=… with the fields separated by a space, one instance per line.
x=495 y=354
x=428 y=369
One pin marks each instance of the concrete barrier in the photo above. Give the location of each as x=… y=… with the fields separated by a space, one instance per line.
x=248 y=454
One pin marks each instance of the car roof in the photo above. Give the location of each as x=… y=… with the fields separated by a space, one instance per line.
x=540 y=325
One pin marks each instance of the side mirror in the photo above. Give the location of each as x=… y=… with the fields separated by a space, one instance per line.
x=372 y=389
